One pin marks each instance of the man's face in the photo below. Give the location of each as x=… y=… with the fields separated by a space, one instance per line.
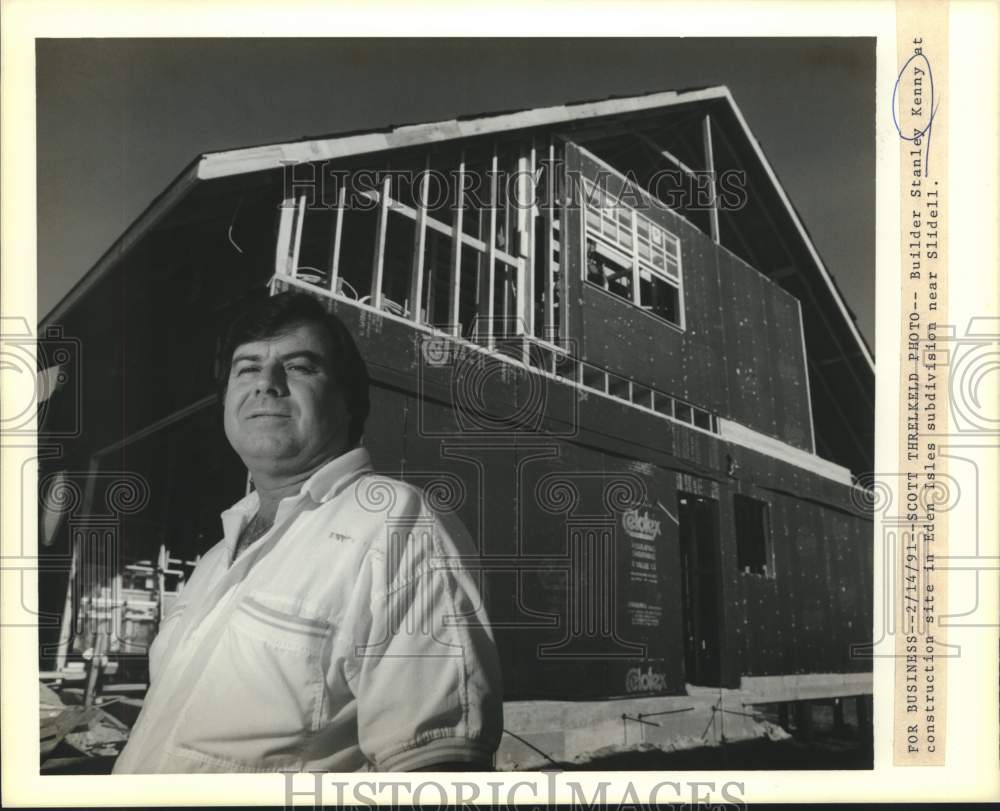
x=284 y=412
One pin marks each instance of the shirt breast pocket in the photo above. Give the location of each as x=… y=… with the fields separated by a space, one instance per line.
x=261 y=694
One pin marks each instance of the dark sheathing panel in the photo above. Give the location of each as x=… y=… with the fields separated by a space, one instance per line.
x=701 y=358
x=764 y=235
x=791 y=396
x=726 y=359
x=739 y=357
x=741 y=311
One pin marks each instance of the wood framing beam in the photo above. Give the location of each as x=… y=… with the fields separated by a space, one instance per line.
x=383 y=223
x=528 y=202
x=550 y=275
x=492 y=252
x=337 y=235
x=713 y=213
x=805 y=367
x=522 y=244
x=283 y=245
x=665 y=153
x=419 y=237
x=456 y=252
x=300 y=220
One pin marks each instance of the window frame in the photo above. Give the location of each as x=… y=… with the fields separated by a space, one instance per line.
x=591 y=192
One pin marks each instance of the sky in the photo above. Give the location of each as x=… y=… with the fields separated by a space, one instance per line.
x=118 y=119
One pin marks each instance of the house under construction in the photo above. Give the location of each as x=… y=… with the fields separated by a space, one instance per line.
x=599 y=332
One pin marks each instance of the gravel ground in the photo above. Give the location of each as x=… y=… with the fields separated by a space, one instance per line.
x=749 y=755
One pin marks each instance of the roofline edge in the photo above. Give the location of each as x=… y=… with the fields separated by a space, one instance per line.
x=152 y=214
x=271 y=156
x=803 y=234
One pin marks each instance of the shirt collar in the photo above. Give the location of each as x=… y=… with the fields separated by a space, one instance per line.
x=326 y=482
x=320 y=487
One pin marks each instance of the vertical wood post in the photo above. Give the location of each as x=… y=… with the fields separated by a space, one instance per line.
x=713 y=213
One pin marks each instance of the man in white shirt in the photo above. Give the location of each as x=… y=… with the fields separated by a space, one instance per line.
x=334 y=626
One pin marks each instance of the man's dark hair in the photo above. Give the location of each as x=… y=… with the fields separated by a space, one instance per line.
x=277 y=315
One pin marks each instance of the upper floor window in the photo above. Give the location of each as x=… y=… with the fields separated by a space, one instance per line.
x=629 y=255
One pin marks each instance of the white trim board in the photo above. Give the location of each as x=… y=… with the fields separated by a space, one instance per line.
x=730 y=431
x=252 y=159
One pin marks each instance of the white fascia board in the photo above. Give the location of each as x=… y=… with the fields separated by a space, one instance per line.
x=255 y=159
x=737 y=434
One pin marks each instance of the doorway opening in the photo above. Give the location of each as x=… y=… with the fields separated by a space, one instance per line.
x=698 y=518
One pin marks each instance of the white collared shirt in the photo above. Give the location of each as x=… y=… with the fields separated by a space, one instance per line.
x=347 y=638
